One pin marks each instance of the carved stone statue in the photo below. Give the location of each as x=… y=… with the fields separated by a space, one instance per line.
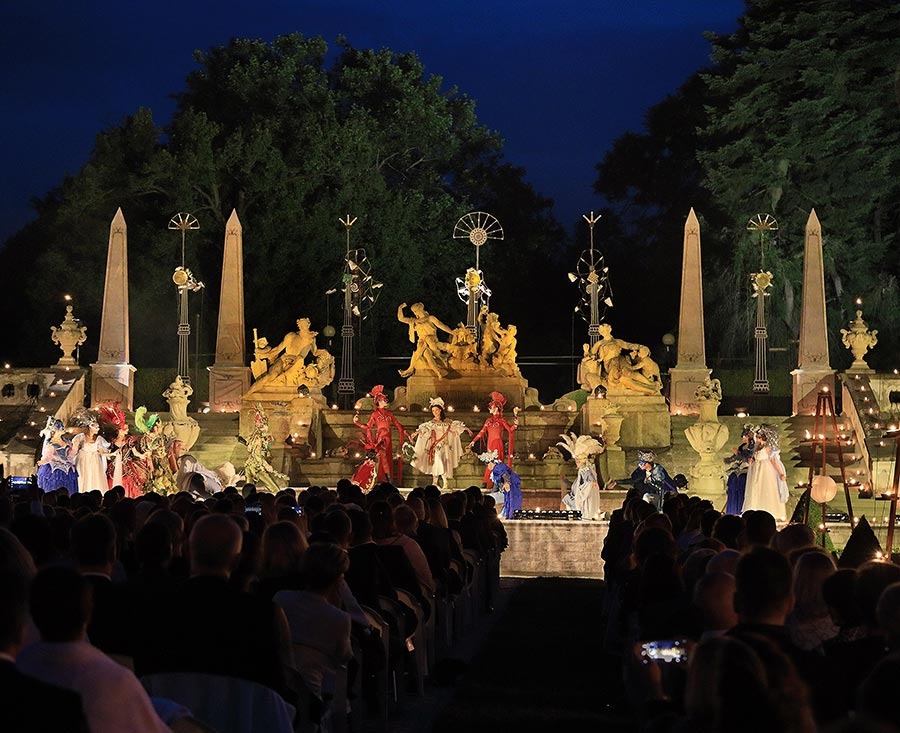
x=462 y=349
x=181 y=427
x=618 y=366
x=859 y=339
x=430 y=353
x=505 y=358
x=295 y=361
x=68 y=336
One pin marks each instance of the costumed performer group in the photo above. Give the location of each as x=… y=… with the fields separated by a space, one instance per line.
x=767 y=488
x=584 y=493
x=437 y=448
x=493 y=427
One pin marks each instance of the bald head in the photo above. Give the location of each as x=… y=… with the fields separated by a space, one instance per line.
x=215 y=545
x=714 y=599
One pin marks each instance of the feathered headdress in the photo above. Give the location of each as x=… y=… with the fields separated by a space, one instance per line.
x=112 y=414
x=497 y=400
x=143 y=422
x=82 y=418
x=436 y=402
x=489 y=457
x=580 y=446
x=769 y=434
x=377 y=393
x=53 y=425
x=646 y=456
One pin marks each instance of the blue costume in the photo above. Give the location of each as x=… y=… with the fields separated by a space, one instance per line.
x=737 y=475
x=510 y=485
x=57 y=466
x=656 y=481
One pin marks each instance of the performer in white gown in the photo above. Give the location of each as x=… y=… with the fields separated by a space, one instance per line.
x=437 y=448
x=90 y=461
x=766 y=478
x=584 y=494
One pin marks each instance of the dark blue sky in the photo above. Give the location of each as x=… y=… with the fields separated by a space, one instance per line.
x=558 y=80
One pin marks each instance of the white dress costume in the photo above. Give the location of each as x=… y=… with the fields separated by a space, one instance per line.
x=766 y=490
x=91 y=464
x=438 y=449
x=584 y=496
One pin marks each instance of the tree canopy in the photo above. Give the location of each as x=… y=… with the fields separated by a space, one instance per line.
x=293 y=143
x=798 y=110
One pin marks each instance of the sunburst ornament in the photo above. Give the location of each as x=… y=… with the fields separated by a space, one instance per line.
x=762 y=223
x=478 y=227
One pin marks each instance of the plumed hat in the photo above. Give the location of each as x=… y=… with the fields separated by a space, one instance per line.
x=580 y=446
x=436 y=402
x=498 y=401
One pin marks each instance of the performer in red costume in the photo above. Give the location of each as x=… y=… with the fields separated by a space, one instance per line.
x=494 y=427
x=379 y=425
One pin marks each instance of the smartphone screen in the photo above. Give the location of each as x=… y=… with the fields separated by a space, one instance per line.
x=667 y=650
x=299 y=510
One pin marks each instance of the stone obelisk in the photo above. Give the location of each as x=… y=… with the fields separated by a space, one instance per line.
x=813 y=371
x=690 y=370
x=112 y=377
x=229 y=377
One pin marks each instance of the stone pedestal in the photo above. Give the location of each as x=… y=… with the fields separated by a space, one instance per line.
x=280 y=403
x=807 y=383
x=646 y=422
x=467 y=389
x=601 y=416
x=707 y=436
x=227 y=384
x=682 y=384
x=112 y=383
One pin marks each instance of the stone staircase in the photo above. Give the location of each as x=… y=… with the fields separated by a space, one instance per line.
x=218 y=441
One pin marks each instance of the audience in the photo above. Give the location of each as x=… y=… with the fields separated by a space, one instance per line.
x=113 y=698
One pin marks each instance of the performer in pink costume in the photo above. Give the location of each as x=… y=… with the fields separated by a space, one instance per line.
x=494 y=427
x=379 y=425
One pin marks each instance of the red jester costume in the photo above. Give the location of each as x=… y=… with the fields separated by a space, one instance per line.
x=494 y=427
x=379 y=424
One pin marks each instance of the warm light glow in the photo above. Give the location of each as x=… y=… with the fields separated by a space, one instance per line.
x=825 y=389
x=878 y=555
x=402 y=409
x=53 y=394
x=530 y=456
x=859 y=301
x=476 y=409
x=450 y=408
x=6 y=366
x=356 y=455
x=312 y=454
x=741 y=414
x=334 y=407
x=67 y=297
x=542 y=407
x=357 y=406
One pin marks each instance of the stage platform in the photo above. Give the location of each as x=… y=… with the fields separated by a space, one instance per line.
x=550 y=548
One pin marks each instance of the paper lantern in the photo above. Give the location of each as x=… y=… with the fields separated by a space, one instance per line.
x=823 y=490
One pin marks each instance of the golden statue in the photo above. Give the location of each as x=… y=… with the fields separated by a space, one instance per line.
x=430 y=352
x=295 y=361
x=618 y=365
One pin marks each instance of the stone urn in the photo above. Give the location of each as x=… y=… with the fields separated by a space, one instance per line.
x=859 y=339
x=708 y=436
x=181 y=426
x=68 y=336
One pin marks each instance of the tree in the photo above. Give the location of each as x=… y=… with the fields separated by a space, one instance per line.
x=802 y=113
x=293 y=144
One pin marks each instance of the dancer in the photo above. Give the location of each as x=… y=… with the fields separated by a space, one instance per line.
x=90 y=461
x=494 y=427
x=379 y=427
x=208 y=483
x=437 y=447
x=153 y=445
x=766 y=478
x=56 y=469
x=257 y=469
x=656 y=481
x=584 y=493
x=738 y=463
x=128 y=467
x=506 y=482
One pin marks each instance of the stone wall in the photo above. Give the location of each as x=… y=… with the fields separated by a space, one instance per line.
x=554 y=548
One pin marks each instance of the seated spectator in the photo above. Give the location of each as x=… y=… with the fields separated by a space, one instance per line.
x=838 y=592
x=29 y=705
x=210 y=627
x=793 y=537
x=729 y=530
x=810 y=623
x=317 y=624
x=113 y=699
x=94 y=548
x=724 y=562
x=759 y=527
x=386 y=534
x=283 y=547
x=434 y=541
x=714 y=601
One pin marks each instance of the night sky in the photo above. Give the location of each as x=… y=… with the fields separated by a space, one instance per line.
x=558 y=80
